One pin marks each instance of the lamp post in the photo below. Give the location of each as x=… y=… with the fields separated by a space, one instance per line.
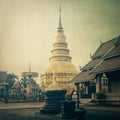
x=77 y=90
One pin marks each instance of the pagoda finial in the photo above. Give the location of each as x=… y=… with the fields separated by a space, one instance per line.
x=29 y=67
x=60 y=28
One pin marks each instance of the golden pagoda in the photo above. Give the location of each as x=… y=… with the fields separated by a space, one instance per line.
x=60 y=68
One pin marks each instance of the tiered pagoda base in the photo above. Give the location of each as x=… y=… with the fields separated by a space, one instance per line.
x=53 y=102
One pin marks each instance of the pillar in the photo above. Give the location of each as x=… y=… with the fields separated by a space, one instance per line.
x=77 y=90
x=98 y=84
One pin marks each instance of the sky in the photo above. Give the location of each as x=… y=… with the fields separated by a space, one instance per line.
x=28 y=29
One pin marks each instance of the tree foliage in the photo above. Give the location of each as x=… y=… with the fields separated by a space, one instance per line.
x=11 y=78
x=24 y=81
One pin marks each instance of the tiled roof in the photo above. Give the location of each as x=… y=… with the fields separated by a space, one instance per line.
x=113 y=52
x=107 y=65
x=105 y=59
x=91 y=64
x=117 y=41
x=83 y=77
x=103 y=48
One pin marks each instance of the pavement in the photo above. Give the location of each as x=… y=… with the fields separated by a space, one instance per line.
x=27 y=111
x=20 y=105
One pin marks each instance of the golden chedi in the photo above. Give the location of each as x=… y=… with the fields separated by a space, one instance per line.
x=60 y=68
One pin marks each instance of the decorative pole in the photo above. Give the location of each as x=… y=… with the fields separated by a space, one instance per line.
x=77 y=88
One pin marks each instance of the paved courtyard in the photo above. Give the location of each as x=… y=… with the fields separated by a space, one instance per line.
x=29 y=113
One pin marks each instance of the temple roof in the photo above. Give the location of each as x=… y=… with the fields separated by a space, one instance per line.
x=111 y=60
x=117 y=41
x=103 y=48
x=115 y=51
x=107 y=65
x=105 y=59
x=83 y=77
x=91 y=64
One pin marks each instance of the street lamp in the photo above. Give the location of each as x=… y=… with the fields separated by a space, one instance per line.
x=77 y=90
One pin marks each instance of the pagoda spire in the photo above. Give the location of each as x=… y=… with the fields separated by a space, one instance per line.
x=60 y=28
x=29 y=67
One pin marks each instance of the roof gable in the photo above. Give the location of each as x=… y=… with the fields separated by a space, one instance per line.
x=115 y=51
x=103 y=48
x=107 y=65
x=91 y=64
x=105 y=59
x=83 y=77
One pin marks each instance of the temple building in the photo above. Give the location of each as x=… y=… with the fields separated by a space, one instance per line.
x=101 y=75
x=3 y=83
x=60 y=67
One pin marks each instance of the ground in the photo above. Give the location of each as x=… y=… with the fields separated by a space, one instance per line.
x=93 y=113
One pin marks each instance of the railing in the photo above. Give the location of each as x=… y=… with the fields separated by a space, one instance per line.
x=113 y=96
x=109 y=99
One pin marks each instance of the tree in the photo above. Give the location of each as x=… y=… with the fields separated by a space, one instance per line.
x=24 y=81
x=11 y=78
